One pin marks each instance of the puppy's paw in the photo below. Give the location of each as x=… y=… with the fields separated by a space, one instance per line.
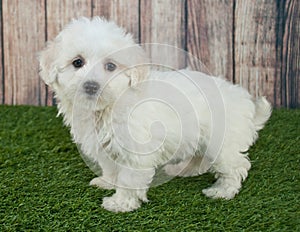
x=220 y=192
x=101 y=183
x=117 y=204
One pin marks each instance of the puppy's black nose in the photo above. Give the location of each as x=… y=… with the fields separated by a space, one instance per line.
x=91 y=87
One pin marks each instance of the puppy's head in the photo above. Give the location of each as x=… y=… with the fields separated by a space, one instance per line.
x=92 y=59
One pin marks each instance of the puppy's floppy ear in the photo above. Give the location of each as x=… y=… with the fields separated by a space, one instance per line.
x=137 y=74
x=136 y=62
x=48 y=69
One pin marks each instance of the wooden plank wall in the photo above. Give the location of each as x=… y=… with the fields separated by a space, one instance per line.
x=254 y=43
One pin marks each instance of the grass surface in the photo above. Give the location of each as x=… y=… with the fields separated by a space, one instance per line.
x=44 y=184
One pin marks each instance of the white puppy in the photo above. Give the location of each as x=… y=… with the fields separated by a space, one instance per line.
x=131 y=120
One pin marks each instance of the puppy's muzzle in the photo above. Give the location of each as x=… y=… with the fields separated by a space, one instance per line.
x=91 y=87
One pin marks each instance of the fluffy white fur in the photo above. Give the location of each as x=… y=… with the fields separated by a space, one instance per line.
x=130 y=140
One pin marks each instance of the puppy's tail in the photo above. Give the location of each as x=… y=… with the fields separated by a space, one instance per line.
x=263 y=110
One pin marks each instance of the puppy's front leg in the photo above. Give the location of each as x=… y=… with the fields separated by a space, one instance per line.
x=109 y=174
x=131 y=190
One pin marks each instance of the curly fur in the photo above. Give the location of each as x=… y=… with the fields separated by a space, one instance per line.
x=141 y=119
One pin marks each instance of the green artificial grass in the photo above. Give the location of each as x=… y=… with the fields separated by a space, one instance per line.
x=44 y=184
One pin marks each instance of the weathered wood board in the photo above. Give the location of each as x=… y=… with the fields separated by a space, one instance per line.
x=254 y=43
x=23 y=35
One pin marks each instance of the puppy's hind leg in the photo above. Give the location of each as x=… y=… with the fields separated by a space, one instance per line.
x=230 y=170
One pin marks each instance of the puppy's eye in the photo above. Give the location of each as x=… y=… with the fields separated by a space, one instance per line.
x=78 y=62
x=110 y=66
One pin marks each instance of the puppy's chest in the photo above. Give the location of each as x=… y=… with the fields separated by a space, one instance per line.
x=107 y=136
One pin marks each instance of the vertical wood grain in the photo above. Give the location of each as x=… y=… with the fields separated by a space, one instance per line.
x=255 y=46
x=163 y=22
x=255 y=43
x=23 y=36
x=288 y=54
x=59 y=13
x=209 y=36
x=124 y=13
